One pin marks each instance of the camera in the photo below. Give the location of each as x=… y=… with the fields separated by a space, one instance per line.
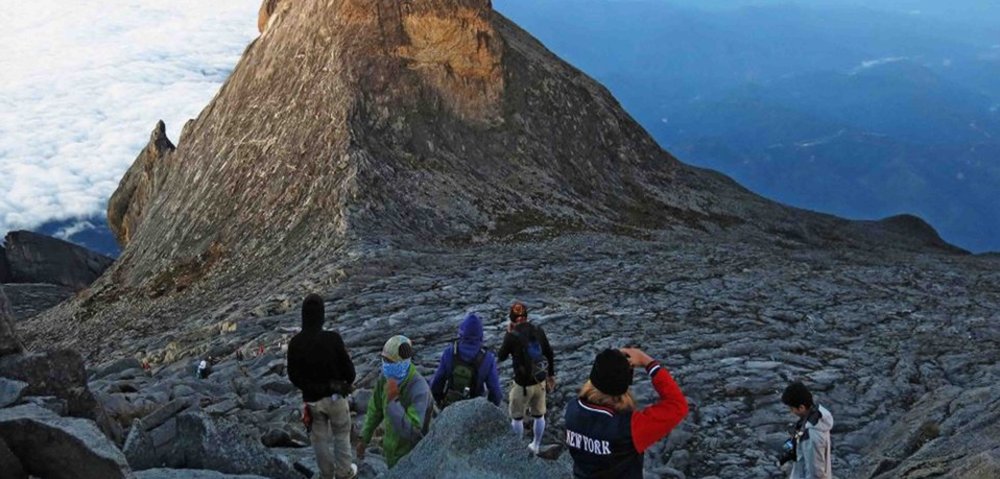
x=787 y=452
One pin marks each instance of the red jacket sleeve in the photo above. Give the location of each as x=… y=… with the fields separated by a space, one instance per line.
x=656 y=421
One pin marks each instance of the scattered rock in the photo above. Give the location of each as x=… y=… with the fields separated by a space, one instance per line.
x=56 y=447
x=116 y=367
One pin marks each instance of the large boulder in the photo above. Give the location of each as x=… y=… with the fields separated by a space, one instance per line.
x=35 y=258
x=54 y=447
x=472 y=439
x=60 y=374
x=9 y=343
x=195 y=441
x=190 y=474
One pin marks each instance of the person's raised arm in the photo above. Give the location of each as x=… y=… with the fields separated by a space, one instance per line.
x=656 y=421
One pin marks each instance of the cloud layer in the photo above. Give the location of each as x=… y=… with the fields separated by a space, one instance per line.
x=83 y=83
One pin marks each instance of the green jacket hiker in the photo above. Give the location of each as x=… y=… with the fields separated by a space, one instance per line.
x=401 y=401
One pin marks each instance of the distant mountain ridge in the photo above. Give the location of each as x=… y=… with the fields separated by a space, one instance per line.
x=804 y=103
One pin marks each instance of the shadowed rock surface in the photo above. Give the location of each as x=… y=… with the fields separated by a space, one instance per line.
x=9 y=344
x=59 y=374
x=30 y=299
x=35 y=258
x=55 y=447
x=4 y=266
x=190 y=474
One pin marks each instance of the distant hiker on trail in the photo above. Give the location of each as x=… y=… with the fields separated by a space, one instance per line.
x=402 y=398
x=809 y=445
x=239 y=354
x=534 y=372
x=605 y=433
x=467 y=369
x=204 y=369
x=319 y=365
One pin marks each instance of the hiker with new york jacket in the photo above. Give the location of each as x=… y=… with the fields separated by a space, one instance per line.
x=606 y=433
x=534 y=372
x=477 y=365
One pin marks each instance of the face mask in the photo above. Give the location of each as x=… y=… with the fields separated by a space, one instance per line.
x=396 y=371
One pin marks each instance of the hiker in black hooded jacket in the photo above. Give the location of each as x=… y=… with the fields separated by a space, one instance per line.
x=318 y=364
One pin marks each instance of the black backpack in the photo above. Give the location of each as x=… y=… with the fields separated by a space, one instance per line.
x=535 y=364
x=464 y=376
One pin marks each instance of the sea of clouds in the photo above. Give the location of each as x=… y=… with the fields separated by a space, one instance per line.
x=83 y=82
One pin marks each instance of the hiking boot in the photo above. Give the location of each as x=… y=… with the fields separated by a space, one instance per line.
x=354 y=472
x=533 y=448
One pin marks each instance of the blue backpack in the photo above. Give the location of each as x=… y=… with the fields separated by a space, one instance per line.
x=538 y=365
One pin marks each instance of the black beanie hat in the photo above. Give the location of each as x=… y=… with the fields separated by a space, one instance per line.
x=312 y=311
x=611 y=374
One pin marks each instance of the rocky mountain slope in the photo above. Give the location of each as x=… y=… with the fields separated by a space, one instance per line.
x=427 y=122
x=411 y=161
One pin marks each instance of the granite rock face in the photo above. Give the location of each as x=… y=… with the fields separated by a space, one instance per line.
x=35 y=258
x=140 y=184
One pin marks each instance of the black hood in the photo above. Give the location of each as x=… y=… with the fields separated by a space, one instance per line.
x=313 y=313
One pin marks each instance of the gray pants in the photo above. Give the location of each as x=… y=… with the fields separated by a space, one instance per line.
x=331 y=437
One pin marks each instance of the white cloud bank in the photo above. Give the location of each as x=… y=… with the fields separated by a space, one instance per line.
x=82 y=83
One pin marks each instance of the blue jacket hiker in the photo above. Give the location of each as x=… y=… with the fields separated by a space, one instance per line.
x=467 y=369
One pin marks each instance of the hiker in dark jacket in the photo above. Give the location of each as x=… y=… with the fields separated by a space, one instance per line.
x=527 y=393
x=319 y=365
x=468 y=353
x=605 y=433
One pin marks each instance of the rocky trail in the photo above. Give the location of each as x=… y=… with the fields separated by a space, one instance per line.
x=880 y=338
